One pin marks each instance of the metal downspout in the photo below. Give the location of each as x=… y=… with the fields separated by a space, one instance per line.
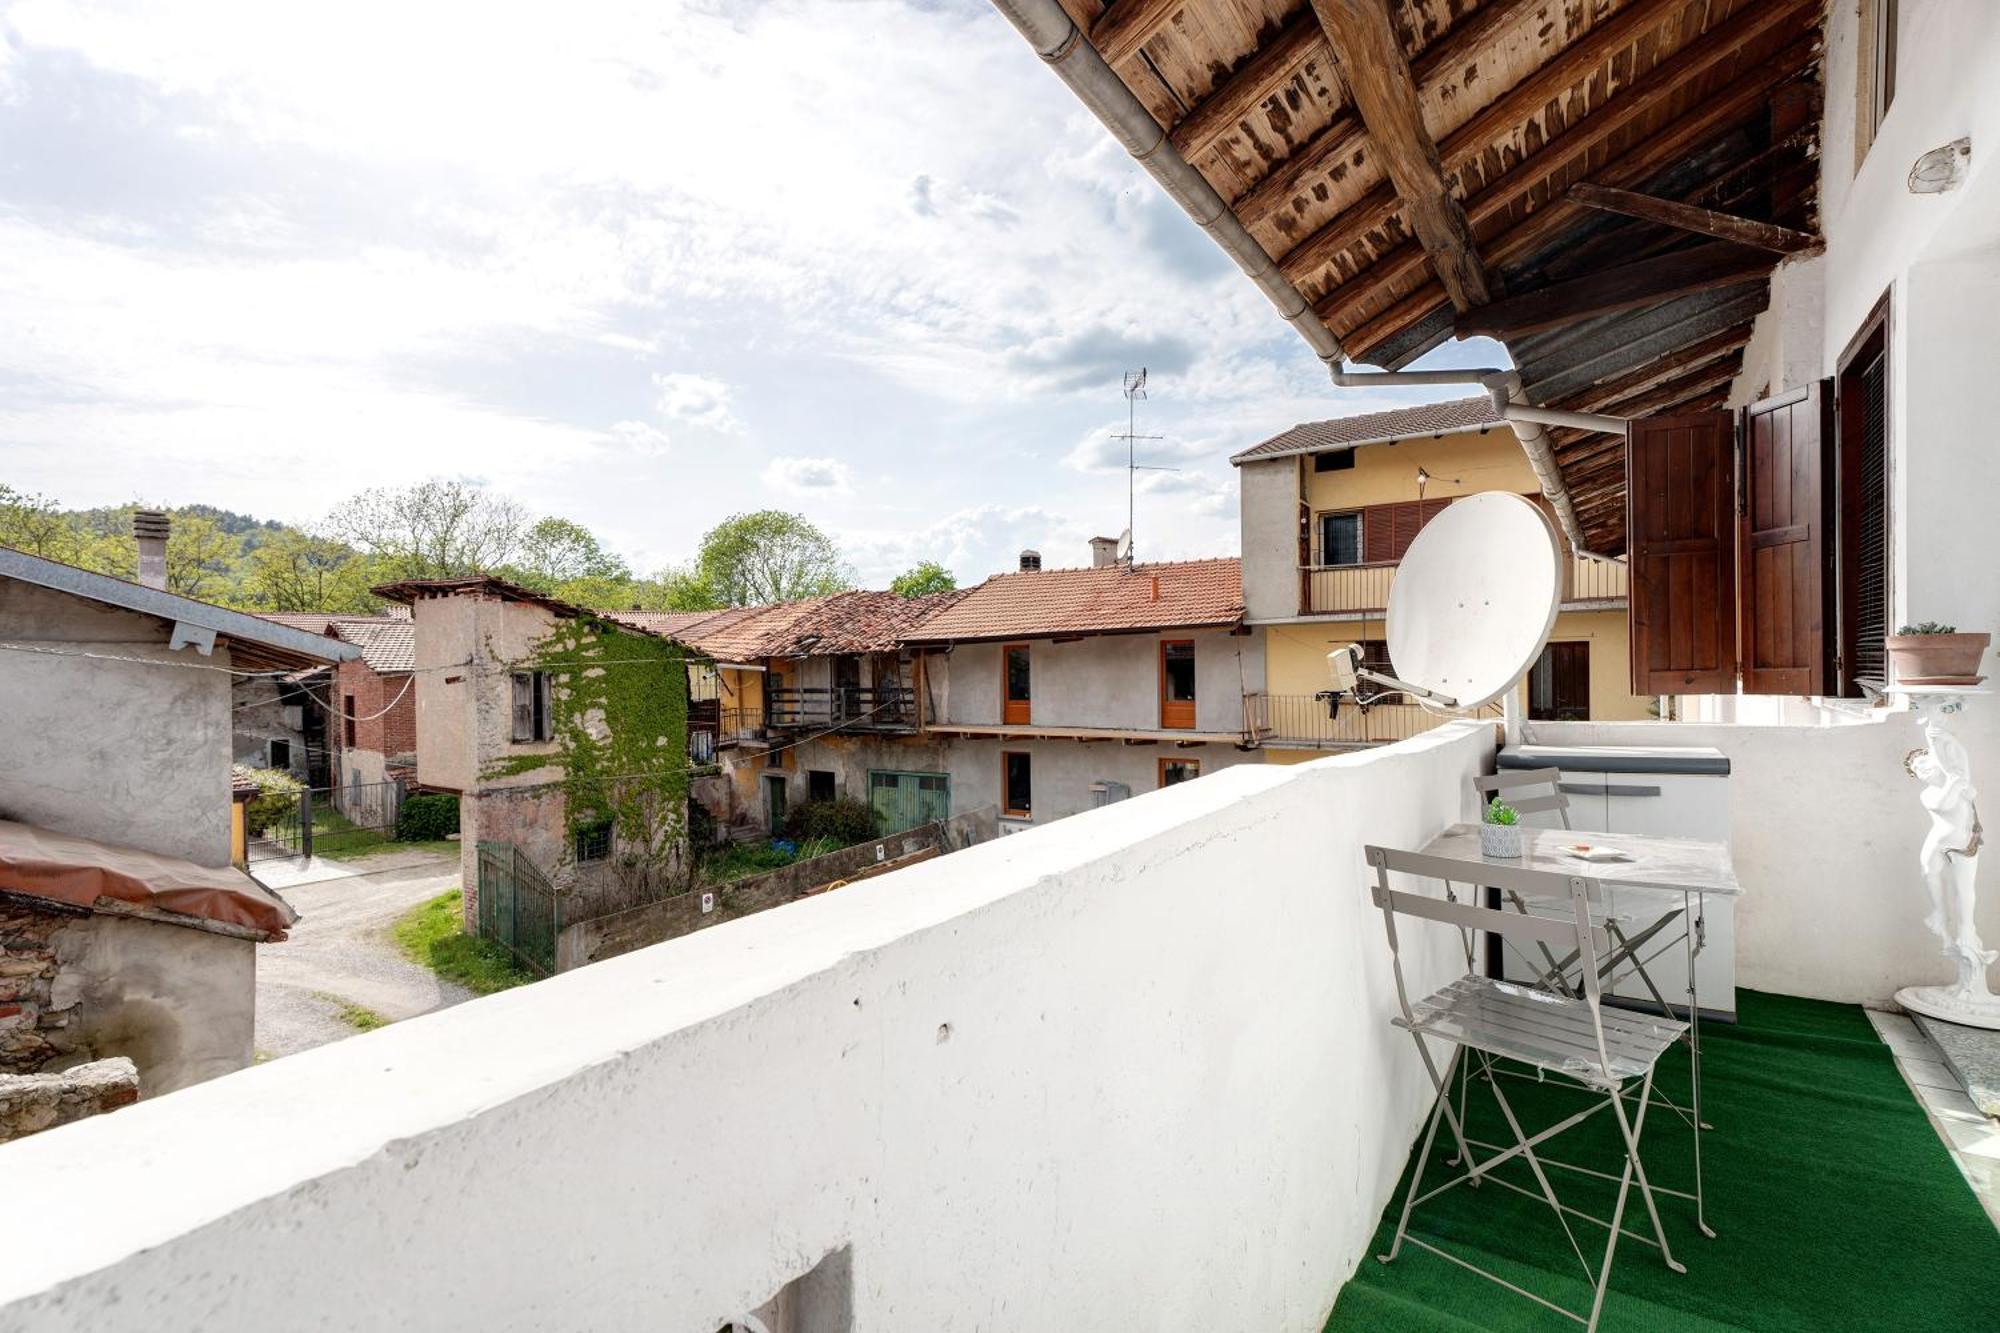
x=1056 y=39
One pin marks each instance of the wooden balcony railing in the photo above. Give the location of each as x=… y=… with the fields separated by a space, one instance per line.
x=1301 y=721
x=1334 y=589
x=849 y=707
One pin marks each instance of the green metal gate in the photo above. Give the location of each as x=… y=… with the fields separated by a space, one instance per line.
x=902 y=801
x=518 y=906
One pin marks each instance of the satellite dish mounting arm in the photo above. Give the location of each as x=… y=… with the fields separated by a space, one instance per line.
x=1344 y=664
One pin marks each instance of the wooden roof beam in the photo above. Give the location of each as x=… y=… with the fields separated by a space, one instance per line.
x=1658 y=371
x=1270 y=68
x=1702 y=268
x=1688 y=217
x=1127 y=25
x=1372 y=64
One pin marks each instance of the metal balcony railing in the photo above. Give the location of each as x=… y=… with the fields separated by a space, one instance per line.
x=1336 y=589
x=849 y=707
x=1300 y=720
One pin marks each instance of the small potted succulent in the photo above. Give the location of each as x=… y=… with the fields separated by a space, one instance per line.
x=1500 y=830
x=1934 y=654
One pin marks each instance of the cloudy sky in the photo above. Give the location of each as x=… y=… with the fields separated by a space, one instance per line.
x=640 y=265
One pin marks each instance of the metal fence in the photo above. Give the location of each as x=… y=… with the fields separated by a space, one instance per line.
x=518 y=906
x=325 y=821
x=1332 y=589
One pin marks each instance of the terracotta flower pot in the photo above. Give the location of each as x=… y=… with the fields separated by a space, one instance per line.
x=1937 y=659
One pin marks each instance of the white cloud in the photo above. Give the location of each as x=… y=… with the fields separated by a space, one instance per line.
x=639 y=437
x=808 y=476
x=696 y=400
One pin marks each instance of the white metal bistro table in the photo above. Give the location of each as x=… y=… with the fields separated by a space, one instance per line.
x=1657 y=883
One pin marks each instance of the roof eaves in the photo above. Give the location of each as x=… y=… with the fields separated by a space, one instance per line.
x=109 y=591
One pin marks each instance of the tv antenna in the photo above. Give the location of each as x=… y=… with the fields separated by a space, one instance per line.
x=1135 y=389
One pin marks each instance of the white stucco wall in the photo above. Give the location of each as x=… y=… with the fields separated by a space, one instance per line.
x=1131 y=1070
x=1824 y=828
x=1106 y=680
x=1063 y=770
x=122 y=752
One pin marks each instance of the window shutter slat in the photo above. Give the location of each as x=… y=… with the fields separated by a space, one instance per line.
x=524 y=706
x=1786 y=513
x=1378 y=534
x=1681 y=534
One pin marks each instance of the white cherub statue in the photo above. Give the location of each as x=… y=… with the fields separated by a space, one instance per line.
x=1950 y=859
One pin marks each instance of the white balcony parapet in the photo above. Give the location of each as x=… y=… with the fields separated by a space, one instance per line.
x=1058 y=1080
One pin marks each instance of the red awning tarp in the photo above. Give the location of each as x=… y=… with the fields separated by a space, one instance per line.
x=58 y=866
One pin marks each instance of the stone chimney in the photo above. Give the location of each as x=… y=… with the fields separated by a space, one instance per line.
x=150 y=528
x=1103 y=551
x=1030 y=561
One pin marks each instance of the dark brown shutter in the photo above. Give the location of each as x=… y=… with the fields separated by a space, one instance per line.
x=1786 y=512
x=524 y=706
x=1680 y=536
x=1378 y=534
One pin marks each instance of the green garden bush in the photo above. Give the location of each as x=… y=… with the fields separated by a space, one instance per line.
x=432 y=817
x=277 y=796
x=845 y=822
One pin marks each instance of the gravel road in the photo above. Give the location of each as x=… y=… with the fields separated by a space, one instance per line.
x=341 y=950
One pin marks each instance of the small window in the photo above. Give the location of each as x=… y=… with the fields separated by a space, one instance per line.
x=531 y=707
x=1016 y=685
x=819 y=785
x=1340 y=461
x=593 y=841
x=1017 y=796
x=279 y=756
x=347 y=720
x=1173 y=772
x=1177 y=683
x=1340 y=538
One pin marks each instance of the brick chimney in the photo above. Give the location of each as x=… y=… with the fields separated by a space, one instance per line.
x=150 y=528
x=1103 y=551
x=1030 y=561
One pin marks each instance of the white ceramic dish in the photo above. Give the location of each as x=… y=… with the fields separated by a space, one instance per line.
x=1585 y=852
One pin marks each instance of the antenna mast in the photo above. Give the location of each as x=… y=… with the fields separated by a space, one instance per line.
x=1135 y=389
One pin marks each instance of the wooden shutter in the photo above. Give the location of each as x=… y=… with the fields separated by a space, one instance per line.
x=545 y=711
x=1680 y=536
x=524 y=706
x=1378 y=533
x=1786 y=512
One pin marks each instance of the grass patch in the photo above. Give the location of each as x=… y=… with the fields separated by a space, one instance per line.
x=357 y=1016
x=437 y=847
x=431 y=935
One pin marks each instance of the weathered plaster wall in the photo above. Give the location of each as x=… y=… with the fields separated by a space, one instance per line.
x=1053 y=1081
x=178 y=1002
x=1108 y=680
x=1063 y=771
x=258 y=717
x=122 y=752
x=1269 y=505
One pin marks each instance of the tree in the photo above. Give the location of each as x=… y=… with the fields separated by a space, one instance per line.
x=200 y=557
x=556 y=552
x=32 y=523
x=438 y=529
x=768 y=556
x=295 y=570
x=925 y=579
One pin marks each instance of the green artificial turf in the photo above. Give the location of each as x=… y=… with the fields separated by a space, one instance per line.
x=1836 y=1204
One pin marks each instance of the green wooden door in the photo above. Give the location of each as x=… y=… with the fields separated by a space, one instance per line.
x=904 y=800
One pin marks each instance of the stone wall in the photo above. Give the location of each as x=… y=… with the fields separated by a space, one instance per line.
x=30 y=1103
x=30 y=1024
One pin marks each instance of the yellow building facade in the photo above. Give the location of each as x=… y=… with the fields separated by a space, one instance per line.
x=1325 y=524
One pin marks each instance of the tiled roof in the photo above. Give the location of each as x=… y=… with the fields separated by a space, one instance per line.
x=844 y=622
x=312 y=622
x=1403 y=423
x=1042 y=603
x=386 y=645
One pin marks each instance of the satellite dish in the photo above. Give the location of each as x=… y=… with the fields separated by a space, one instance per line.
x=1472 y=605
x=1125 y=547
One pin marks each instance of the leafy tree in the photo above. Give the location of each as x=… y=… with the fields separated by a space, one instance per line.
x=295 y=570
x=34 y=524
x=767 y=556
x=557 y=552
x=200 y=557
x=437 y=529
x=923 y=580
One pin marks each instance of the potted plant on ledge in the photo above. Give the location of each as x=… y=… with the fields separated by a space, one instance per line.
x=1934 y=654
x=1500 y=830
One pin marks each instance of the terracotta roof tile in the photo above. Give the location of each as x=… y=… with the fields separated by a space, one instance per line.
x=1048 y=602
x=845 y=622
x=1403 y=423
x=386 y=645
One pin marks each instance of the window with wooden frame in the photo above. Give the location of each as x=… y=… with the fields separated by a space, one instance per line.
x=1177 y=683
x=1340 y=538
x=1758 y=539
x=1559 y=683
x=1016 y=685
x=1017 y=785
x=1173 y=772
x=1875 y=70
x=533 y=715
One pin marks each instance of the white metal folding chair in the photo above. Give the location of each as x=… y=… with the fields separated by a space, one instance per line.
x=1575 y=1038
